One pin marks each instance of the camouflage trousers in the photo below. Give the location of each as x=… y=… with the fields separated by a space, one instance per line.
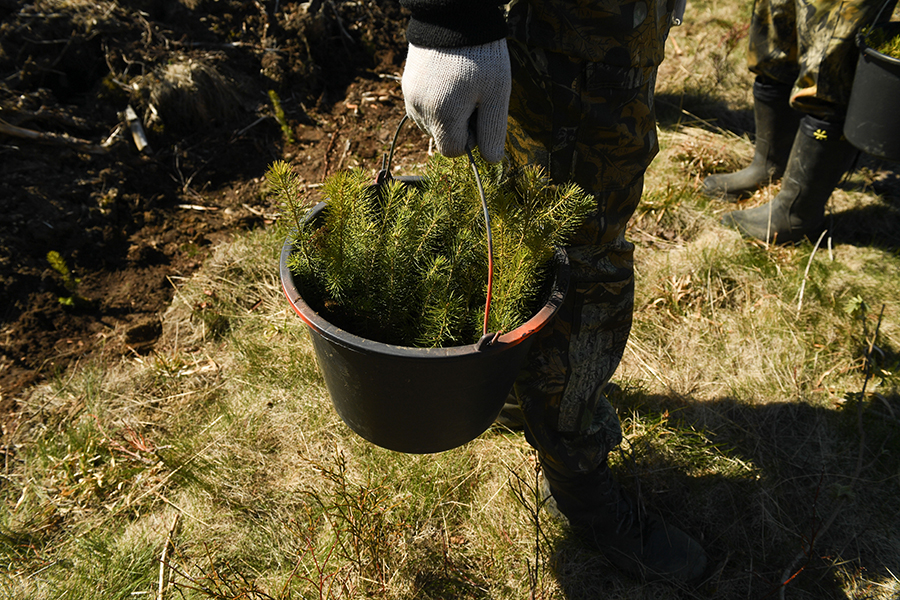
x=595 y=125
x=810 y=45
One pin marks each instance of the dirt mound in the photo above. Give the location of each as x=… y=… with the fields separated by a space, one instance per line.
x=219 y=90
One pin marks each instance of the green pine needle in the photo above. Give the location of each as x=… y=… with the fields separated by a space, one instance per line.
x=407 y=265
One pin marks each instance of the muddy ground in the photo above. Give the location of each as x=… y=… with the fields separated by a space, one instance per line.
x=205 y=79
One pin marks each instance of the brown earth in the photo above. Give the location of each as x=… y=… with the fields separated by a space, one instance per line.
x=127 y=224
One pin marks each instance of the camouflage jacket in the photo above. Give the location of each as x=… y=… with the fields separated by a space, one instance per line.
x=623 y=33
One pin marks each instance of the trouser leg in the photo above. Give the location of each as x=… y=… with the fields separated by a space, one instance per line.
x=811 y=46
x=776 y=124
x=602 y=136
x=561 y=391
x=572 y=119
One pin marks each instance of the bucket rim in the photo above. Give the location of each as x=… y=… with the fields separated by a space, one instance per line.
x=341 y=336
x=872 y=53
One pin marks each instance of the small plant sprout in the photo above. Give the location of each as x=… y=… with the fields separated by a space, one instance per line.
x=281 y=117
x=287 y=191
x=69 y=281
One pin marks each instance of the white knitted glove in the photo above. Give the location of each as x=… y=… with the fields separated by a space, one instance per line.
x=443 y=87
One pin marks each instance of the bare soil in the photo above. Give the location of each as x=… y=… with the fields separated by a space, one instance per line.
x=130 y=224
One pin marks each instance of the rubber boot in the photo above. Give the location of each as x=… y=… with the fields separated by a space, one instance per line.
x=776 y=125
x=819 y=158
x=635 y=541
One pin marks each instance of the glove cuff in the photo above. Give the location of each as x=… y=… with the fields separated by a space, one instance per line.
x=472 y=24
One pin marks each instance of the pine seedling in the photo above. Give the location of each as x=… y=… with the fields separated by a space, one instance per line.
x=407 y=265
x=877 y=38
x=530 y=218
x=285 y=185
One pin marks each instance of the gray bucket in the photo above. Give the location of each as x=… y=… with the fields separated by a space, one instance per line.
x=873 y=114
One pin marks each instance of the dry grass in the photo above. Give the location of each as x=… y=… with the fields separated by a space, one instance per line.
x=746 y=366
x=742 y=404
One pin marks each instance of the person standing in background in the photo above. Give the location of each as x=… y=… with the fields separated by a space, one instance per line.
x=804 y=55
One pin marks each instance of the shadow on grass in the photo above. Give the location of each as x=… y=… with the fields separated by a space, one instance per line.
x=876 y=224
x=755 y=484
x=704 y=111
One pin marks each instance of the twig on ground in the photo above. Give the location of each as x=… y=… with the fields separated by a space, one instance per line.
x=186 y=183
x=344 y=154
x=137 y=130
x=530 y=497
x=179 y=509
x=806 y=273
x=340 y=24
x=250 y=126
x=163 y=565
x=197 y=207
x=113 y=137
x=55 y=139
x=265 y=20
x=325 y=162
x=57 y=117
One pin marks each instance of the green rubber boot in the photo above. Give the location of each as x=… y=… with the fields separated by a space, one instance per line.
x=635 y=541
x=776 y=125
x=819 y=158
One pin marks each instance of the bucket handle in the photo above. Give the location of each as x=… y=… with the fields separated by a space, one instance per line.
x=877 y=18
x=486 y=338
x=384 y=175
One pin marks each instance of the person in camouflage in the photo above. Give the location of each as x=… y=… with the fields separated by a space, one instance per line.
x=804 y=55
x=573 y=87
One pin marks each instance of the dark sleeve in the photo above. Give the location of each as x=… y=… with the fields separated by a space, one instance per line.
x=454 y=23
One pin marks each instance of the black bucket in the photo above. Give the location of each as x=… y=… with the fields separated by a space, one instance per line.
x=873 y=114
x=419 y=400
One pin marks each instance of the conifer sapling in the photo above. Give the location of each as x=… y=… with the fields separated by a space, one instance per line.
x=406 y=264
